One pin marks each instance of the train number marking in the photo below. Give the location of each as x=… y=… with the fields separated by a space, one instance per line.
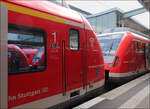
x=54 y=34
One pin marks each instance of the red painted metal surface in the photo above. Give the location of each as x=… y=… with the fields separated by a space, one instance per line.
x=82 y=67
x=130 y=59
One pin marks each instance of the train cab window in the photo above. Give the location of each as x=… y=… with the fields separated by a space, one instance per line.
x=109 y=44
x=26 y=50
x=74 y=39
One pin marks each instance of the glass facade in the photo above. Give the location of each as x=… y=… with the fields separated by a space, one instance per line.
x=92 y=21
x=103 y=22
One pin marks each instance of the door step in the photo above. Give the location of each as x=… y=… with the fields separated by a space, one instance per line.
x=75 y=93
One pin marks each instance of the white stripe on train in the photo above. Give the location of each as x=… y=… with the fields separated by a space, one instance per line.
x=57 y=99
x=126 y=74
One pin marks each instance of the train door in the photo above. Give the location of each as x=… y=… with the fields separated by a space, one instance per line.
x=148 y=56
x=3 y=56
x=137 y=57
x=134 y=56
x=143 y=56
x=74 y=60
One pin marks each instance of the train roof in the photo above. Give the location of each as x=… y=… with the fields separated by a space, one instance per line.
x=125 y=29
x=110 y=33
x=49 y=7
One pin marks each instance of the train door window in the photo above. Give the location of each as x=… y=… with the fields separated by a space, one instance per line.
x=74 y=39
x=143 y=50
x=26 y=49
x=137 y=46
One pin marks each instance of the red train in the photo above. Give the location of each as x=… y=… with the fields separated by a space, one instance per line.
x=53 y=55
x=126 y=53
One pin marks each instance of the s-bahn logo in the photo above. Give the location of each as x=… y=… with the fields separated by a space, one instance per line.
x=92 y=41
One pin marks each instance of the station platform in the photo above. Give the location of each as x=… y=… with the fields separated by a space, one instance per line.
x=134 y=94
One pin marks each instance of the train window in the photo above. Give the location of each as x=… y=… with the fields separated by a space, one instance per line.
x=74 y=39
x=143 y=54
x=109 y=44
x=26 y=50
x=137 y=46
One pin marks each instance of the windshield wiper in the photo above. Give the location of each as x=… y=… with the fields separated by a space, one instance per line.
x=111 y=47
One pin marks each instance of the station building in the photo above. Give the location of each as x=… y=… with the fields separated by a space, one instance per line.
x=114 y=18
x=63 y=3
x=146 y=4
x=111 y=18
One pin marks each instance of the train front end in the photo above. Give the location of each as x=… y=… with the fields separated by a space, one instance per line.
x=110 y=43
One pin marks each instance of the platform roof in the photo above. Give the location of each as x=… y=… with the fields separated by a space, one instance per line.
x=129 y=22
x=96 y=6
x=146 y=4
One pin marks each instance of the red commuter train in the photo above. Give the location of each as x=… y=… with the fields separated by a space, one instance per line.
x=53 y=55
x=126 y=53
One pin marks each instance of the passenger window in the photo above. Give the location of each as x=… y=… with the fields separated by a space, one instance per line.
x=137 y=46
x=143 y=54
x=26 y=49
x=74 y=39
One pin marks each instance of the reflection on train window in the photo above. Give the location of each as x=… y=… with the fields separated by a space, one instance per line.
x=26 y=50
x=109 y=43
x=74 y=39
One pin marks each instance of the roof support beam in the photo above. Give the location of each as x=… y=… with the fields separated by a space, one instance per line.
x=134 y=12
x=146 y=4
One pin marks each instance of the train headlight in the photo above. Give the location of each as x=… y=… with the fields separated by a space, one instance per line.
x=109 y=65
x=35 y=60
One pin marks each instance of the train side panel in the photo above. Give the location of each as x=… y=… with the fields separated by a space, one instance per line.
x=124 y=53
x=131 y=53
x=95 y=62
x=30 y=86
x=64 y=61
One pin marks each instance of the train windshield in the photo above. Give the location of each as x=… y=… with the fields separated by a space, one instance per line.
x=109 y=44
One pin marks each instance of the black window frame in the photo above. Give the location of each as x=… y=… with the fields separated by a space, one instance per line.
x=31 y=29
x=78 y=39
